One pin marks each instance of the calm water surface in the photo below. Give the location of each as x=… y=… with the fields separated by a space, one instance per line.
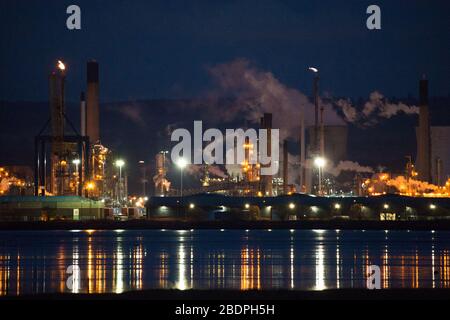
x=118 y=261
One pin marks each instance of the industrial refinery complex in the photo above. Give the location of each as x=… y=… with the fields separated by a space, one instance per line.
x=77 y=177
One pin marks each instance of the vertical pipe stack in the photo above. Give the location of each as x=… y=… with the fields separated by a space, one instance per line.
x=285 y=167
x=316 y=143
x=424 y=138
x=302 y=152
x=56 y=97
x=83 y=115
x=92 y=122
x=266 y=180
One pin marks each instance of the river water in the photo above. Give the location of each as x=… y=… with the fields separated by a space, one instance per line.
x=122 y=260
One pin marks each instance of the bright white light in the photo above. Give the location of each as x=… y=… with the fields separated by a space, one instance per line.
x=386 y=206
x=337 y=206
x=182 y=163
x=76 y=161
x=120 y=163
x=191 y=206
x=145 y=198
x=432 y=206
x=247 y=206
x=291 y=205
x=319 y=162
x=315 y=70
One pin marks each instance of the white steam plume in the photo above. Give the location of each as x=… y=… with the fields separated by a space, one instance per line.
x=255 y=92
x=349 y=166
x=375 y=108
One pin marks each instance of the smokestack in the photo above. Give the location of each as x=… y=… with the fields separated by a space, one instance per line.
x=438 y=172
x=316 y=145
x=424 y=138
x=302 y=152
x=83 y=114
x=92 y=114
x=285 y=167
x=56 y=97
x=266 y=180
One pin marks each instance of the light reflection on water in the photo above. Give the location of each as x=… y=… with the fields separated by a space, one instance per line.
x=118 y=261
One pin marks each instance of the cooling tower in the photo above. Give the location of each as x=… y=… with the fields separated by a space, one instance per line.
x=440 y=154
x=92 y=114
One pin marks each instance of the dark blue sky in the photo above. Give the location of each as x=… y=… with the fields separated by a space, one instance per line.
x=160 y=49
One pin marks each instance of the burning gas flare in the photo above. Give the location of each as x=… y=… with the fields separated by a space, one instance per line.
x=61 y=65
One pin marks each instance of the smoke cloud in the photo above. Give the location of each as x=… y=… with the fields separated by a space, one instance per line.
x=197 y=171
x=376 y=108
x=255 y=92
x=349 y=166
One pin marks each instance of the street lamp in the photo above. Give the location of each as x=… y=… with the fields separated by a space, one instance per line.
x=181 y=163
x=320 y=162
x=120 y=163
x=76 y=162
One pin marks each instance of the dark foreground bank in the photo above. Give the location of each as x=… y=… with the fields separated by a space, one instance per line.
x=180 y=225
x=273 y=295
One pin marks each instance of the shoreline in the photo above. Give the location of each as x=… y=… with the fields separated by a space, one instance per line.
x=443 y=225
x=233 y=295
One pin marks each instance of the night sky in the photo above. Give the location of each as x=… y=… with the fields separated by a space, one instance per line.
x=162 y=50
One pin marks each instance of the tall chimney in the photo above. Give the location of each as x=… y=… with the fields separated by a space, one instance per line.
x=285 y=167
x=266 y=180
x=56 y=93
x=56 y=97
x=317 y=140
x=424 y=138
x=82 y=115
x=302 y=151
x=92 y=114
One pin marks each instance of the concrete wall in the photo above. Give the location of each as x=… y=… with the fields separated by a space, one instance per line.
x=42 y=209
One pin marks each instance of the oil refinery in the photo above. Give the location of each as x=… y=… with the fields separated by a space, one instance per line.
x=77 y=177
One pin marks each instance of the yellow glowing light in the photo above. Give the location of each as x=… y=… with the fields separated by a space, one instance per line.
x=337 y=206
x=291 y=205
x=247 y=206
x=191 y=206
x=90 y=186
x=386 y=206
x=432 y=206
